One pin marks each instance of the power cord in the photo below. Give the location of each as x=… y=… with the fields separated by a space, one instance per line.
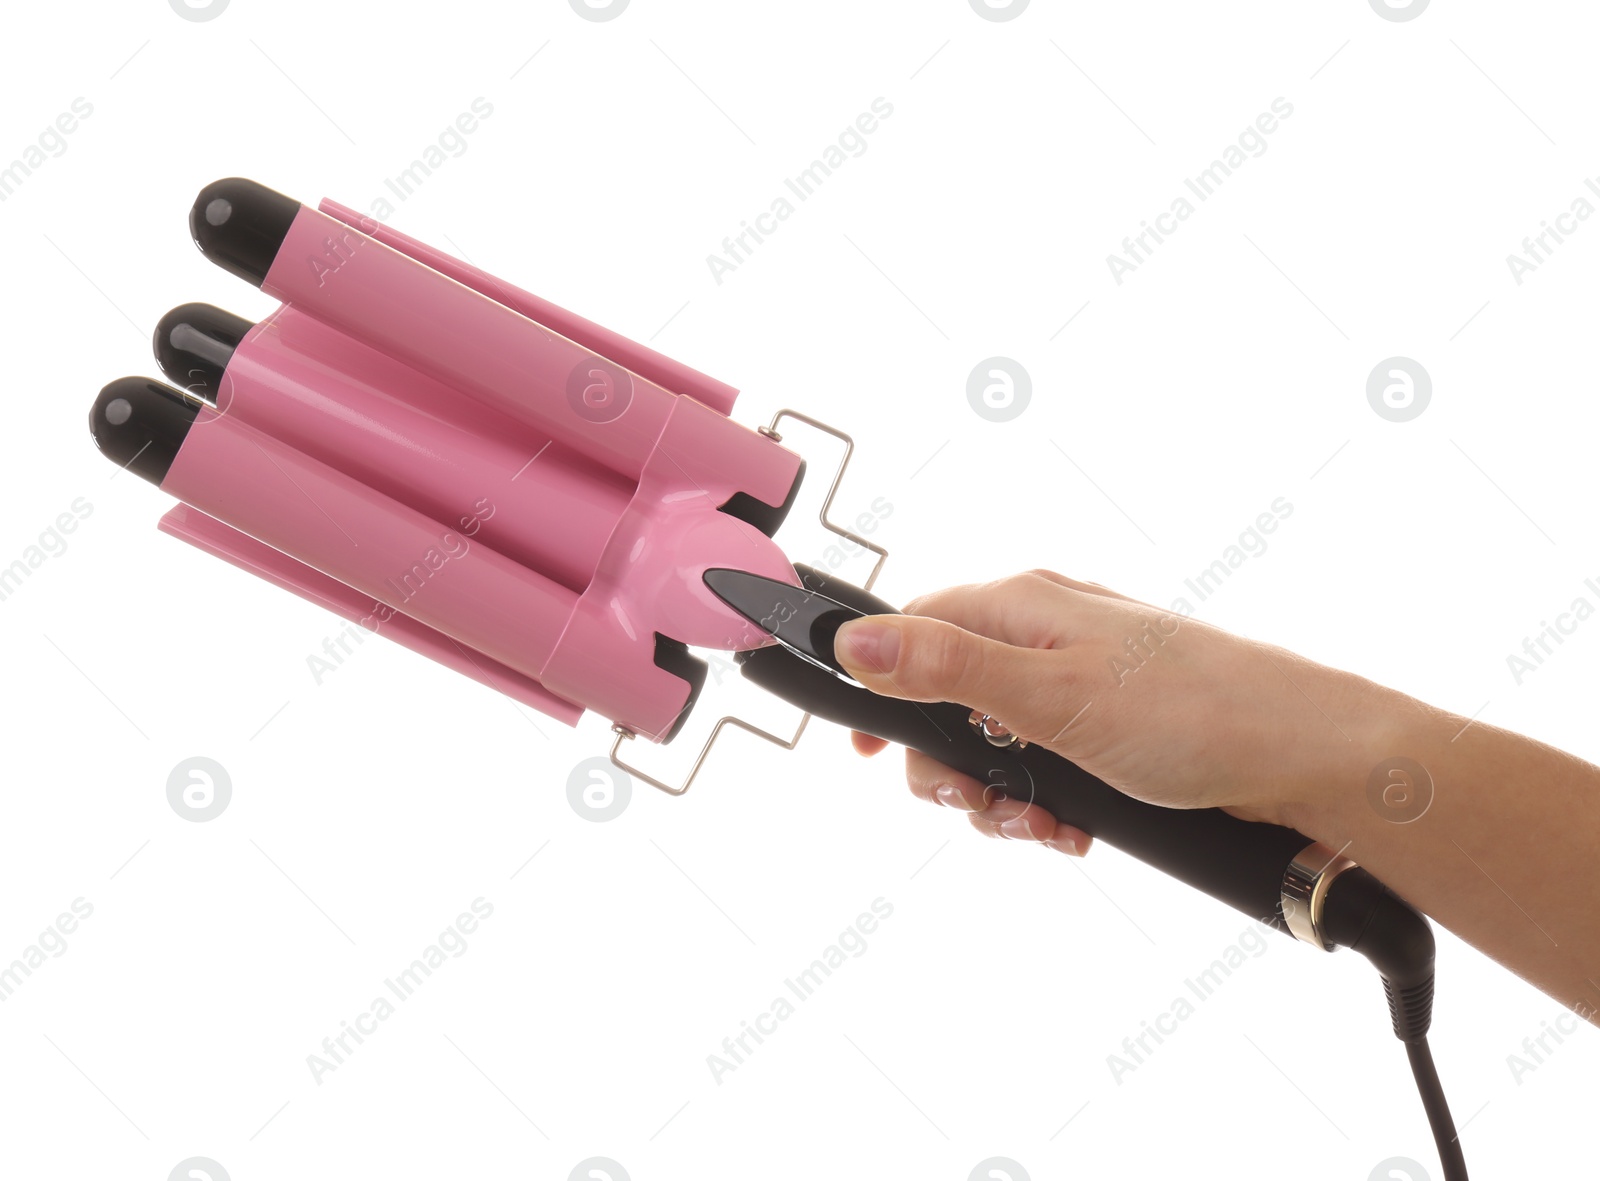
x=1433 y=1102
x=1366 y=916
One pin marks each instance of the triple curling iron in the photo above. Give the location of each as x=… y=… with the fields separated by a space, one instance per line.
x=562 y=514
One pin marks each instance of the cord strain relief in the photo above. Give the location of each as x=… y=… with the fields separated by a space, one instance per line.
x=1410 y=1009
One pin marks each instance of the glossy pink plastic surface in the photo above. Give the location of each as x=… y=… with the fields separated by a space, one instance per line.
x=496 y=480
x=461 y=338
x=650 y=577
x=222 y=541
x=334 y=523
x=646 y=362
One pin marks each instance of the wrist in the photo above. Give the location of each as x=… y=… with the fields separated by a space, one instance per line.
x=1367 y=764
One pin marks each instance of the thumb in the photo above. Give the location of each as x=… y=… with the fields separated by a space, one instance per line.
x=923 y=659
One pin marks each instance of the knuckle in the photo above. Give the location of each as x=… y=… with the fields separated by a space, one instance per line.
x=936 y=604
x=960 y=658
x=938 y=660
x=1015 y=584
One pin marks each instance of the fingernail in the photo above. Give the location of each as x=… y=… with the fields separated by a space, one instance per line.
x=1065 y=845
x=872 y=647
x=1017 y=828
x=950 y=796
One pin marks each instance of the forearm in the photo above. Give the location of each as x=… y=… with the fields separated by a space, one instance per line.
x=1503 y=854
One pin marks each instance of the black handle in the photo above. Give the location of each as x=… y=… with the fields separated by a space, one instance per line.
x=1235 y=861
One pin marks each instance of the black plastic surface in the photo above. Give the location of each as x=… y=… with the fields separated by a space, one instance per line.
x=194 y=343
x=240 y=224
x=139 y=423
x=673 y=656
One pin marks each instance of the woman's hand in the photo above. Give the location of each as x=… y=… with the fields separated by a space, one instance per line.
x=1162 y=707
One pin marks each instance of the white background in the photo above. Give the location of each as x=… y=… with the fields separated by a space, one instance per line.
x=1228 y=370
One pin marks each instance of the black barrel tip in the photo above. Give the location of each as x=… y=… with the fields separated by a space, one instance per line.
x=239 y=224
x=139 y=423
x=194 y=343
